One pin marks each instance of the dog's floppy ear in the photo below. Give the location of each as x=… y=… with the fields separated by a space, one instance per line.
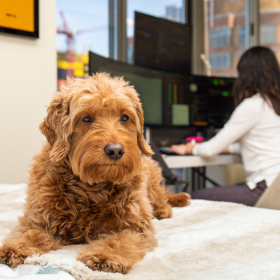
x=52 y=127
x=142 y=144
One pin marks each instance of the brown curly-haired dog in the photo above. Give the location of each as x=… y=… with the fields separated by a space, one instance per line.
x=90 y=183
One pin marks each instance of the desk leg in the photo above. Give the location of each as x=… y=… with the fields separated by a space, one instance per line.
x=199 y=179
x=204 y=177
x=197 y=170
x=193 y=180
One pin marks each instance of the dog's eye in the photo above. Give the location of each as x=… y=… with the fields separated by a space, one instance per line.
x=124 y=118
x=87 y=119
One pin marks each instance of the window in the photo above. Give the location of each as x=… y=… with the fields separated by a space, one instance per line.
x=81 y=26
x=268 y=33
x=241 y=35
x=269 y=18
x=220 y=37
x=224 y=23
x=220 y=60
x=169 y=9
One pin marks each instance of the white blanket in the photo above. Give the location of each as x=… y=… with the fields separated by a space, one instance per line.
x=206 y=240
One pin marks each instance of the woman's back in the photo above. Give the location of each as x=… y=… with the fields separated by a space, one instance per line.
x=260 y=147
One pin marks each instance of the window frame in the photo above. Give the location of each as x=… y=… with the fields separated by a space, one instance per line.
x=241 y=34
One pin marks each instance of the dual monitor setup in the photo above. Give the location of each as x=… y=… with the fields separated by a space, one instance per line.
x=170 y=95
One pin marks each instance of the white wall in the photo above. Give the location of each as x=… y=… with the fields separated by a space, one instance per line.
x=27 y=82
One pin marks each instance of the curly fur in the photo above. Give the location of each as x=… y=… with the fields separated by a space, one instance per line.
x=76 y=194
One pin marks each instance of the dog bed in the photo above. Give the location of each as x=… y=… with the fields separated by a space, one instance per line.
x=206 y=240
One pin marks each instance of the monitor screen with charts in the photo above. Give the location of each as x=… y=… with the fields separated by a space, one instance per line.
x=212 y=103
x=197 y=101
x=176 y=103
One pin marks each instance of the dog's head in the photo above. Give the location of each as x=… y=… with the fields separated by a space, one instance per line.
x=97 y=123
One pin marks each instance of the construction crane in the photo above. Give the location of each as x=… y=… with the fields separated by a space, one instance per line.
x=70 y=34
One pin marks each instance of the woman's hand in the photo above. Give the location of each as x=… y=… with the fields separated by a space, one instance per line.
x=182 y=149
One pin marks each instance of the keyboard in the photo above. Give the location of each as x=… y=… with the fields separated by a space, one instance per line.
x=165 y=151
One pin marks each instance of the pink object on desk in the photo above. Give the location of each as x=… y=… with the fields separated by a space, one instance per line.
x=195 y=138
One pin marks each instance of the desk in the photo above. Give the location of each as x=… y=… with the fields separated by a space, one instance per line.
x=197 y=161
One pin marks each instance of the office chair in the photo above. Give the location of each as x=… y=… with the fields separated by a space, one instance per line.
x=167 y=174
x=270 y=199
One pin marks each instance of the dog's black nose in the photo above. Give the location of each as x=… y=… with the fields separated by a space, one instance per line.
x=114 y=150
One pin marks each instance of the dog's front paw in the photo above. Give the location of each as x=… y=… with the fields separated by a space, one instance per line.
x=102 y=263
x=165 y=212
x=182 y=199
x=179 y=199
x=11 y=257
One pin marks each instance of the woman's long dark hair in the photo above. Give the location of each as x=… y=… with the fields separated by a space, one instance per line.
x=258 y=72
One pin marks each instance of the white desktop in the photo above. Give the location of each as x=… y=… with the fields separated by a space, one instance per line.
x=197 y=161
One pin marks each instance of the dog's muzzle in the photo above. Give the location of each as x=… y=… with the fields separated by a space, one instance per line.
x=114 y=151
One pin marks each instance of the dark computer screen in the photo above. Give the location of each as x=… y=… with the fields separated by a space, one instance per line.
x=147 y=82
x=162 y=44
x=197 y=101
x=211 y=100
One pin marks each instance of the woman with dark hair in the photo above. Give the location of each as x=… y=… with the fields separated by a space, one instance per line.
x=253 y=129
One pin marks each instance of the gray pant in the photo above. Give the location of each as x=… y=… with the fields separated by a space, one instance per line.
x=235 y=193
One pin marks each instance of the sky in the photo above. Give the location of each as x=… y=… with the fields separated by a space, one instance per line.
x=91 y=17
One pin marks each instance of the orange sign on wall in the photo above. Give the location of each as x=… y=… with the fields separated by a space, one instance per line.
x=19 y=15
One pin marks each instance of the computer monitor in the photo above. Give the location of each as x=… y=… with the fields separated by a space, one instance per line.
x=212 y=103
x=162 y=44
x=176 y=100
x=147 y=82
x=196 y=101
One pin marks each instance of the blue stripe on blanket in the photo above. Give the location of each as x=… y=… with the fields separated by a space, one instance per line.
x=47 y=270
